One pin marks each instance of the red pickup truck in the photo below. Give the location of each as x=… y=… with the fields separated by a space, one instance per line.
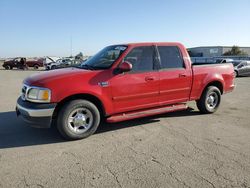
x=119 y=83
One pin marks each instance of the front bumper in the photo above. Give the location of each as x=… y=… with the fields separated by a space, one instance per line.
x=35 y=114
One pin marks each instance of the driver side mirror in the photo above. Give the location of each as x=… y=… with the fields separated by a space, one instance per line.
x=125 y=66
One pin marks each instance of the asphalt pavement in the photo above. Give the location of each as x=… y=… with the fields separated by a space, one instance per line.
x=180 y=149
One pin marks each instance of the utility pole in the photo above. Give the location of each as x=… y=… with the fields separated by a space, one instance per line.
x=71 y=46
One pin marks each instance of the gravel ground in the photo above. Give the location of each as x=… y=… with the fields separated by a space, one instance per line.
x=182 y=149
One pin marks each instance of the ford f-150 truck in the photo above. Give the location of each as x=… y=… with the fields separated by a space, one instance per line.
x=119 y=83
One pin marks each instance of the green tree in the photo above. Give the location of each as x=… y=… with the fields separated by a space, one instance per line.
x=235 y=51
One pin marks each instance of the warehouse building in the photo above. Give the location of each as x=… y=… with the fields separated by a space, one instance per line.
x=213 y=51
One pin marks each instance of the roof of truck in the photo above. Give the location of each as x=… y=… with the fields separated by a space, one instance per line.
x=153 y=43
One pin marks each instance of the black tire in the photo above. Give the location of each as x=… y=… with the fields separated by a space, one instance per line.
x=53 y=67
x=7 y=67
x=236 y=74
x=66 y=128
x=210 y=100
x=36 y=66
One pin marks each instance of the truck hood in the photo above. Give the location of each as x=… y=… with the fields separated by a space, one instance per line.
x=44 y=79
x=8 y=61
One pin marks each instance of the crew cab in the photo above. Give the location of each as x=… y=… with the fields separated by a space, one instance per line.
x=119 y=83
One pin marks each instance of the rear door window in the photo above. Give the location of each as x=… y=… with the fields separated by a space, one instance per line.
x=170 y=57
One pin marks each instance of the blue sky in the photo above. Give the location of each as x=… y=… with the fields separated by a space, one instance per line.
x=44 y=27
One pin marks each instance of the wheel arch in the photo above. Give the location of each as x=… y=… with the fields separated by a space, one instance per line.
x=95 y=100
x=36 y=64
x=215 y=83
x=237 y=72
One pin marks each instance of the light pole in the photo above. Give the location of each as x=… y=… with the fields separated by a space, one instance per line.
x=71 y=46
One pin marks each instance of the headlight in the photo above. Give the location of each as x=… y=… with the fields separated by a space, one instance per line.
x=37 y=94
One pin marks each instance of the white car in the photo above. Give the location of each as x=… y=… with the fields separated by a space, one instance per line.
x=224 y=60
x=50 y=61
x=60 y=63
x=242 y=68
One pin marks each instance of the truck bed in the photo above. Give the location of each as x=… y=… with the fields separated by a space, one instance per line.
x=204 y=74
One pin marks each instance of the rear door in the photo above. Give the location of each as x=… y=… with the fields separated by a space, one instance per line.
x=248 y=68
x=175 y=77
x=138 y=88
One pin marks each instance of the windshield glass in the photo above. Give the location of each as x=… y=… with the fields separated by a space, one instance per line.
x=105 y=58
x=242 y=64
x=236 y=63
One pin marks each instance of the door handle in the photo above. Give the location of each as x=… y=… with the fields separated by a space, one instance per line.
x=182 y=75
x=149 y=78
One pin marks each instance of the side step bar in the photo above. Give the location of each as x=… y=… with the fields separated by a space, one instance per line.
x=147 y=112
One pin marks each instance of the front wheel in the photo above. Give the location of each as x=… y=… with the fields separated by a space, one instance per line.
x=78 y=119
x=236 y=74
x=7 y=67
x=210 y=100
x=36 y=66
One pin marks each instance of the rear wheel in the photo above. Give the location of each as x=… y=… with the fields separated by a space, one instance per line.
x=210 y=100
x=78 y=119
x=36 y=66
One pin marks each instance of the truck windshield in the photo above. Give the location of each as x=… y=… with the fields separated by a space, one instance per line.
x=105 y=58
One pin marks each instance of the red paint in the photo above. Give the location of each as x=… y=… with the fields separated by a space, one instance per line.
x=139 y=91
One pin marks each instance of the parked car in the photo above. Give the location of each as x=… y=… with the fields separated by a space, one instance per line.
x=9 y=64
x=13 y=63
x=60 y=63
x=242 y=68
x=209 y=60
x=223 y=60
x=49 y=61
x=119 y=83
x=236 y=62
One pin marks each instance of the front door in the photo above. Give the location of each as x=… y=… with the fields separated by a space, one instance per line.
x=138 y=88
x=245 y=69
